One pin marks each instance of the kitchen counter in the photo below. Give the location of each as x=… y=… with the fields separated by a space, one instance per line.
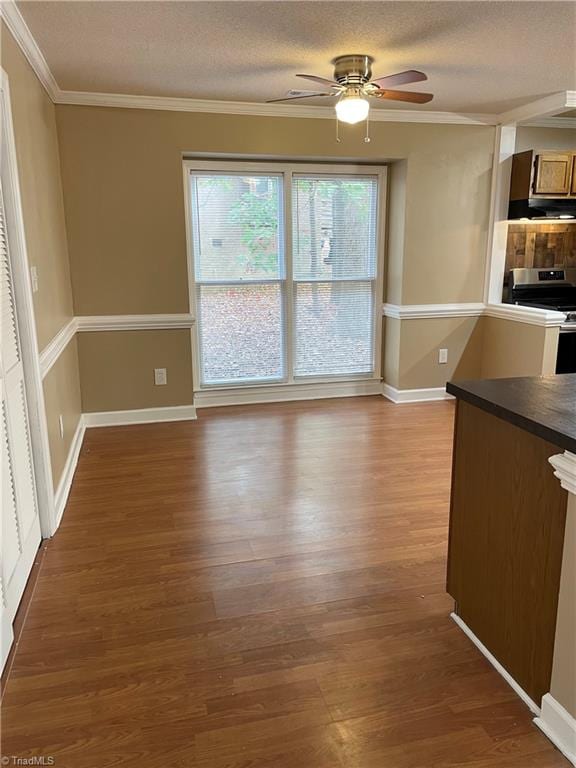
x=544 y=406
x=508 y=518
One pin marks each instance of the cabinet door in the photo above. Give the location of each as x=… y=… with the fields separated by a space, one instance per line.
x=573 y=185
x=552 y=174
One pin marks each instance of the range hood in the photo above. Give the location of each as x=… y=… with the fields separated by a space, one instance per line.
x=543 y=185
x=543 y=208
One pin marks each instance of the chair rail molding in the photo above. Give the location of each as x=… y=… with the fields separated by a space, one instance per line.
x=419 y=311
x=56 y=346
x=134 y=322
x=512 y=312
x=565 y=470
x=531 y=315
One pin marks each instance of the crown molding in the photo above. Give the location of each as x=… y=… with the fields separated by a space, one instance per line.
x=551 y=122
x=174 y=104
x=540 y=109
x=9 y=12
x=20 y=31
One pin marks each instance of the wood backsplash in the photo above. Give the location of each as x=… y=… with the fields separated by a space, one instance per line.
x=536 y=244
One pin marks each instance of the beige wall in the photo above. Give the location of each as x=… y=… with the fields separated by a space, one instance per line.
x=62 y=396
x=123 y=195
x=545 y=138
x=34 y=120
x=122 y=175
x=563 y=684
x=116 y=369
x=420 y=341
x=517 y=349
x=123 y=191
x=391 y=352
x=395 y=229
x=38 y=160
x=478 y=347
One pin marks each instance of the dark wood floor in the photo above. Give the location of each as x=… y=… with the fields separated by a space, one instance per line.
x=262 y=588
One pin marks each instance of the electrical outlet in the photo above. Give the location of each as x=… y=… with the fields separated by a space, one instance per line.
x=160 y=376
x=61 y=425
x=442 y=355
x=34 y=279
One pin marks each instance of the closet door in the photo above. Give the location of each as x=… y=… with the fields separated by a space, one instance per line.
x=20 y=520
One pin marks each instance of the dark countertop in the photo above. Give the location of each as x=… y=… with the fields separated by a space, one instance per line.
x=543 y=405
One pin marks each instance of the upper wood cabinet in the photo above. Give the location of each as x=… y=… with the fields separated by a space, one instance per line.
x=543 y=174
x=552 y=173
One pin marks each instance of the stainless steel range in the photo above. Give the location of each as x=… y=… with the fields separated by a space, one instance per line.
x=550 y=289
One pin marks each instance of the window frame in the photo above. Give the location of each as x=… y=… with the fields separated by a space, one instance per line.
x=287 y=170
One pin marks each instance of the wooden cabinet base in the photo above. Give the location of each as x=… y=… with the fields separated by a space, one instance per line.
x=508 y=515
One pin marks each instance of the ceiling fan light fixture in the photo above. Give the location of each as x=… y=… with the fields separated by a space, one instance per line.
x=352 y=107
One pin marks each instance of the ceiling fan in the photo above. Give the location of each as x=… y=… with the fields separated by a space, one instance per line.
x=353 y=86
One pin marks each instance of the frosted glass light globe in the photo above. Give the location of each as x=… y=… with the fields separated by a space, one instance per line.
x=352 y=109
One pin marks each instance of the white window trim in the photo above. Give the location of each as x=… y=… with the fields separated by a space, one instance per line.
x=288 y=169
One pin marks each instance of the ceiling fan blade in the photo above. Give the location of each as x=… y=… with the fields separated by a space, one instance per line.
x=321 y=80
x=410 y=96
x=306 y=96
x=400 y=78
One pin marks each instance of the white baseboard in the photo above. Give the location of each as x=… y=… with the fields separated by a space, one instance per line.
x=559 y=726
x=108 y=419
x=432 y=394
x=496 y=664
x=139 y=416
x=61 y=494
x=279 y=393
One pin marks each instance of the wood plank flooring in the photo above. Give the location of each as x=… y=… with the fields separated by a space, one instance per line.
x=261 y=588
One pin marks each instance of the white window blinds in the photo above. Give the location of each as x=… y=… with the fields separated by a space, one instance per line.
x=239 y=273
x=282 y=298
x=334 y=242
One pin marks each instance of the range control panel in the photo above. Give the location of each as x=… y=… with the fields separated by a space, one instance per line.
x=551 y=274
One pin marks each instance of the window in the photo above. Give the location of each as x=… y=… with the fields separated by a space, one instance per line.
x=285 y=272
x=334 y=271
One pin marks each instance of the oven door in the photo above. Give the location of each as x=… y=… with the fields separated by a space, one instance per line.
x=566 y=360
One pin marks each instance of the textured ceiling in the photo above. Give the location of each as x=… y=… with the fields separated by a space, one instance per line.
x=479 y=56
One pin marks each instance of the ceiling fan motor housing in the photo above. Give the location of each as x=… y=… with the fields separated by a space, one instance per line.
x=353 y=69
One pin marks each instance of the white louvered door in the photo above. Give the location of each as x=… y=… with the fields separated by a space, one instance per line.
x=20 y=519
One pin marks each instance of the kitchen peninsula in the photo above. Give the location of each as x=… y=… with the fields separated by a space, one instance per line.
x=511 y=549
